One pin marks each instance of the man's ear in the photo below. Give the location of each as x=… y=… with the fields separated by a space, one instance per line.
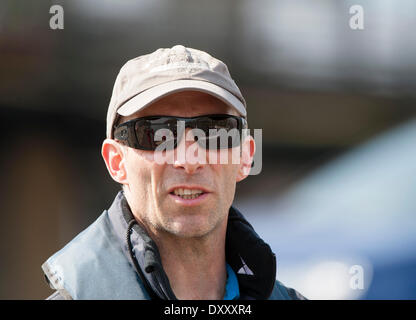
x=248 y=148
x=114 y=158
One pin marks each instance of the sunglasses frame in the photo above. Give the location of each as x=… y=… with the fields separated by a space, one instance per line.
x=126 y=132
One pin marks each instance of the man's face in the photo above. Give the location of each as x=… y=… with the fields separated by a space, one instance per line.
x=150 y=187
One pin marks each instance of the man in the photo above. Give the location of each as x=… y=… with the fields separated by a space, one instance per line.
x=171 y=232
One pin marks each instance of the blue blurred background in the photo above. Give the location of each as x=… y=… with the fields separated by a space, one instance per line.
x=336 y=195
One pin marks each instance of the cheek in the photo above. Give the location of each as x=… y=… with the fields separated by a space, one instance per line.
x=227 y=174
x=140 y=170
x=226 y=164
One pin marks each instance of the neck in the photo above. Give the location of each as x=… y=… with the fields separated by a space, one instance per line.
x=195 y=266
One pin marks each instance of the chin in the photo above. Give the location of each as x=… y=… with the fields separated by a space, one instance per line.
x=191 y=229
x=189 y=234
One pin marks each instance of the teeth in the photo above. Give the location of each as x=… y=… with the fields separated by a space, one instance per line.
x=187 y=193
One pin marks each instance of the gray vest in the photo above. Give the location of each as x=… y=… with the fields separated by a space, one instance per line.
x=93 y=266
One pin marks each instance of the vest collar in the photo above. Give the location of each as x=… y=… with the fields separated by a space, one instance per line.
x=248 y=255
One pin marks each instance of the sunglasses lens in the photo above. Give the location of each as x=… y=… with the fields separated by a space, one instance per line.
x=220 y=132
x=151 y=133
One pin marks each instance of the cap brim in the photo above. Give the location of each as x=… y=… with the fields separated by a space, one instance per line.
x=149 y=96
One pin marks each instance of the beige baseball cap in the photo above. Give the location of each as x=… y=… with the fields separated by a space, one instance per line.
x=145 y=79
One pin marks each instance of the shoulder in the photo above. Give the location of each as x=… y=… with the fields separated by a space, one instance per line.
x=281 y=292
x=93 y=265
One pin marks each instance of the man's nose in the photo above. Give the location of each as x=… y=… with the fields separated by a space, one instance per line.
x=189 y=155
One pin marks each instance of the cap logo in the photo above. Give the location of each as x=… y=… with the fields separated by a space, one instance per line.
x=177 y=65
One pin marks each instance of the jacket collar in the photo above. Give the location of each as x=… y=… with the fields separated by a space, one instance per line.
x=248 y=255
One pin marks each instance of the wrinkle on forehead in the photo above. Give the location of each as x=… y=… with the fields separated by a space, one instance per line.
x=185 y=104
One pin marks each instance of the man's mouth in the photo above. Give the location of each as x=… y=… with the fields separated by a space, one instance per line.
x=187 y=194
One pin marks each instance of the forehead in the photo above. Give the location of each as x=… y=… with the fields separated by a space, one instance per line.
x=185 y=104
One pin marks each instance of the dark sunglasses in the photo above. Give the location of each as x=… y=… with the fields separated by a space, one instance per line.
x=141 y=134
